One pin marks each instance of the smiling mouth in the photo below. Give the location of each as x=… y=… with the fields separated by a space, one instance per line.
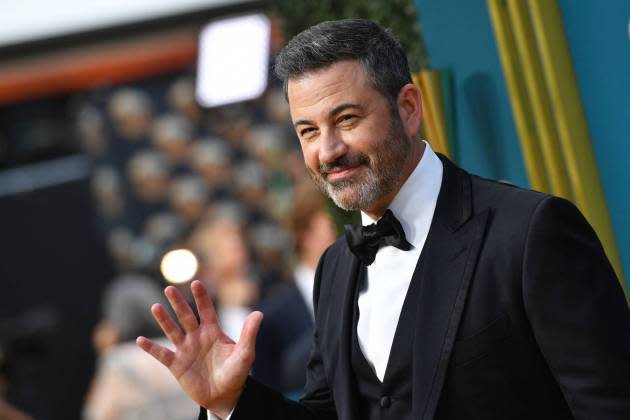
x=343 y=168
x=339 y=174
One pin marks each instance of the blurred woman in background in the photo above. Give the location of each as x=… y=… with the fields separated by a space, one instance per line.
x=128 y=385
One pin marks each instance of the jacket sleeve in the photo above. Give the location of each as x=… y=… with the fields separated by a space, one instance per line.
x=578 y=311
x=259 y=402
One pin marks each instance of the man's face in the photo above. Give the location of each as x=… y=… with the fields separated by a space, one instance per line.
x=353 y=148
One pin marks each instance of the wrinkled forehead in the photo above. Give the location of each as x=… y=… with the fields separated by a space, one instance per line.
x=327 y=86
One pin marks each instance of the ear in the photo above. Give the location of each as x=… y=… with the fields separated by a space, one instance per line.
x=410 y=109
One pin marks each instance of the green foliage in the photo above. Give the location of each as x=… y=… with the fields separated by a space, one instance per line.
x=399 y=15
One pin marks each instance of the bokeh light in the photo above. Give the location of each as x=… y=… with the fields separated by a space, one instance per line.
x=179 y=266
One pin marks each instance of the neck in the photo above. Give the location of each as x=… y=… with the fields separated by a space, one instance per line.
x=378 y=208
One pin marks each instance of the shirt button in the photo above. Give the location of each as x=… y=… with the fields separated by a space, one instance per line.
x=385 y=401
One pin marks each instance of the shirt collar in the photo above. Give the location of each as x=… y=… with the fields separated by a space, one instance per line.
x=414 y=204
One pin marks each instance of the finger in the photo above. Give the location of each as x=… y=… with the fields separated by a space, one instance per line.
x=185 y=315
x=166 y=323
x=205 y=307
x=160 y=353
x=247 y=342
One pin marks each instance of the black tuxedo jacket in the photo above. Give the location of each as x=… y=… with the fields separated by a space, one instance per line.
x=519 y=316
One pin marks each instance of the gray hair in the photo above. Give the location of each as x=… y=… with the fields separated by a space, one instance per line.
x=127 y=303
x=326 y=43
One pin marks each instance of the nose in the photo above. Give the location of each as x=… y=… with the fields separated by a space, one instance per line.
x=331 y=147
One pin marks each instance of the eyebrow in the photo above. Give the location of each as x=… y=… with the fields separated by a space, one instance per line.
x=335 y=110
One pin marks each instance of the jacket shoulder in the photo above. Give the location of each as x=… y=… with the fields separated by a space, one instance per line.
x=502 y=197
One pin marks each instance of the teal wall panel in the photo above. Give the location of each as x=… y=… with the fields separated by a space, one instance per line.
x=458 y=36
x=599 y=41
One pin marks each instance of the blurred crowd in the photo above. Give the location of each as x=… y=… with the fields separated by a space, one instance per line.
x=228 y=184
x=163 y=167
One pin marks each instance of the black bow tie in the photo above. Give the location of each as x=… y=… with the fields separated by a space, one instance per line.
x=365 y=241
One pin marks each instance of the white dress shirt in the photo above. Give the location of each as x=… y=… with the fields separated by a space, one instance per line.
x=304 y=277
x=388 y=277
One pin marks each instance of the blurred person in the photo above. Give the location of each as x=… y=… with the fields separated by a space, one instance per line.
x=132 y=252
x=269 y=147
x=212 y=159
x=108 y=191
x=229 y=209
x=284 y=340
x=120 y=244
x=226 y=268
x=271 y=246
x=172 y=134
x=163 y=228
x=148 y=172
x=145 y=254
x=278 y=113
x=233 y=123
x=459 y=298
x=250 y=181
x=126 y=385
x=270 y=243
x=181 y=98
x=160 y=233
x=268 y=144
x=91 y=130
x=130 y=111
x=188 y=197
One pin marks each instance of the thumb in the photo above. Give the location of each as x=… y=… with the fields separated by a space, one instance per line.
x=247 y=342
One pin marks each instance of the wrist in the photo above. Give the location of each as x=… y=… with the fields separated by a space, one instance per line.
x=223 y=409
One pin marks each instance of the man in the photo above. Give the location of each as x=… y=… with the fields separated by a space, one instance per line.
x=494 y=302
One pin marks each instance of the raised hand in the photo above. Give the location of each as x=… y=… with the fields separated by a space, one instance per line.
x=209 y=366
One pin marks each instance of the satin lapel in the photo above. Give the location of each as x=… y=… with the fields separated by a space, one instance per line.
x=446 y=267
x=345 y=283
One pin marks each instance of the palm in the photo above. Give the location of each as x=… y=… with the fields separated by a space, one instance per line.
x=206 y=364
x=210 y=367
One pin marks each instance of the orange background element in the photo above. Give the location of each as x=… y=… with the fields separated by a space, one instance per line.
x=87 y=67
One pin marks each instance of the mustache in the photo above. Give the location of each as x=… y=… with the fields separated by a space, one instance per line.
x=345 y=161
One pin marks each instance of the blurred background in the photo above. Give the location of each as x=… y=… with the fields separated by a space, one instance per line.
x=147 y=143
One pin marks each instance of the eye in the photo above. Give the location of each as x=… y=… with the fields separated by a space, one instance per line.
x=307 y=132
x=346 y=119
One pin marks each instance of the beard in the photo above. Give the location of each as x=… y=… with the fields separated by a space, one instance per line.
x=381 y=171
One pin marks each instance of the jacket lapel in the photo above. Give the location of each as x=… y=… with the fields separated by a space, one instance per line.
x=343 y=295
x=446 y=267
